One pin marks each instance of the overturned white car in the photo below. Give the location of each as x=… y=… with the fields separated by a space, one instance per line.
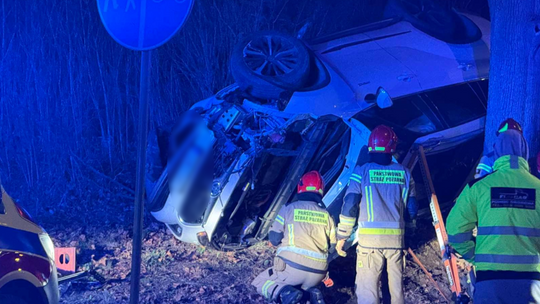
x=235 y=158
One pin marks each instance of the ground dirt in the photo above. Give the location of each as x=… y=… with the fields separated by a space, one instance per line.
x=175 y=272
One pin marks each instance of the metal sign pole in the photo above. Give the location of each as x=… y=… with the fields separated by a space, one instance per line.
x=141 y=168
x=142 y=25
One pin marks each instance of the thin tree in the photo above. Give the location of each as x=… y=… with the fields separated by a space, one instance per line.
x=514 y=89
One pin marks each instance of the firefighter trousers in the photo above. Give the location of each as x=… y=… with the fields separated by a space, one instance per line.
x=369 y=267
x=270 y=282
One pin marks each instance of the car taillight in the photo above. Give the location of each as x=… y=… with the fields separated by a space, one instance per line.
x=202 y=237
x=23 y=213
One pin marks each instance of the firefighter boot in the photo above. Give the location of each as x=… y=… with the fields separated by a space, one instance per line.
x=315 y=296
x=290 y=295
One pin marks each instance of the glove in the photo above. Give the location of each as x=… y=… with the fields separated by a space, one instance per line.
x=339 y=248
x=410 y=232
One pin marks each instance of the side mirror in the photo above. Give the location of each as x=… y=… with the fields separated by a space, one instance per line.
x=382 y=99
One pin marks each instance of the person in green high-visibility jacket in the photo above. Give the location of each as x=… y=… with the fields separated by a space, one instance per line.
x=505 y=206
x=485 y=166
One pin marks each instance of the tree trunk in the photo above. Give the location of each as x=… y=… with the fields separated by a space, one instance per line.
x=514 y=89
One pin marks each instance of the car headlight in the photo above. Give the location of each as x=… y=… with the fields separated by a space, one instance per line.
x=47 y=244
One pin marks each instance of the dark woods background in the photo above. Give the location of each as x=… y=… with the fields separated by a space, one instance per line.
x=68 y=92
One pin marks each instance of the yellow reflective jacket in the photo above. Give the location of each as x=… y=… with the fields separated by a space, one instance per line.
x=308 y=233
x=505 y=205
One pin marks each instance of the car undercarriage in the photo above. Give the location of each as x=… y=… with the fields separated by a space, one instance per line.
x=220 y=173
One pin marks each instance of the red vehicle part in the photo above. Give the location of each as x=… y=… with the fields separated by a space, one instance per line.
x=27 y=270
x=18 y=264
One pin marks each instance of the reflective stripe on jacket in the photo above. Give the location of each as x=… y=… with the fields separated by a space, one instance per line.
x=308 y=232
x=505 y=207
x=485 y=166
x=385 y=190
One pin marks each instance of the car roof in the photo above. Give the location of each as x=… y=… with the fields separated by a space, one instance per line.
x=398 y=57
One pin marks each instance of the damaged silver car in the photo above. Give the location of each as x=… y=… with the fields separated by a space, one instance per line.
x=222 y=173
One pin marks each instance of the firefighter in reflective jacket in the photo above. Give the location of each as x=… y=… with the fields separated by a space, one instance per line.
x=304 y=232
x=485 y=166
x=379 y=193
x=505 y=205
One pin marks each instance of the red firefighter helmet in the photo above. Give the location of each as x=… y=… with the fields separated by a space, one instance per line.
x=311 y=182
x=382 y=140
x=509 y=124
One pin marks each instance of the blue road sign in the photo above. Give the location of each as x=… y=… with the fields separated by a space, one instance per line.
x=143 y=25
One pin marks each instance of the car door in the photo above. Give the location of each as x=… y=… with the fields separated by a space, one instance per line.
x=461 y=110
x=354 y=155
x=453 y=152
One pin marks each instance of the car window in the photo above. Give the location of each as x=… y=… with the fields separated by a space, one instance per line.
x=449 y=169
x=406 y=114
x=459 y=104
x=481 y=89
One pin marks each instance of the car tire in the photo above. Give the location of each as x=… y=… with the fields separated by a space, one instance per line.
x=9 y=299
x=270 y=65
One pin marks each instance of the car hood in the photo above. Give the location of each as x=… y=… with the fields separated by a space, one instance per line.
x=400 y=58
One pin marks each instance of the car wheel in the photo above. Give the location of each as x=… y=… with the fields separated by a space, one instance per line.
x=9 y=299
x=269 y=64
